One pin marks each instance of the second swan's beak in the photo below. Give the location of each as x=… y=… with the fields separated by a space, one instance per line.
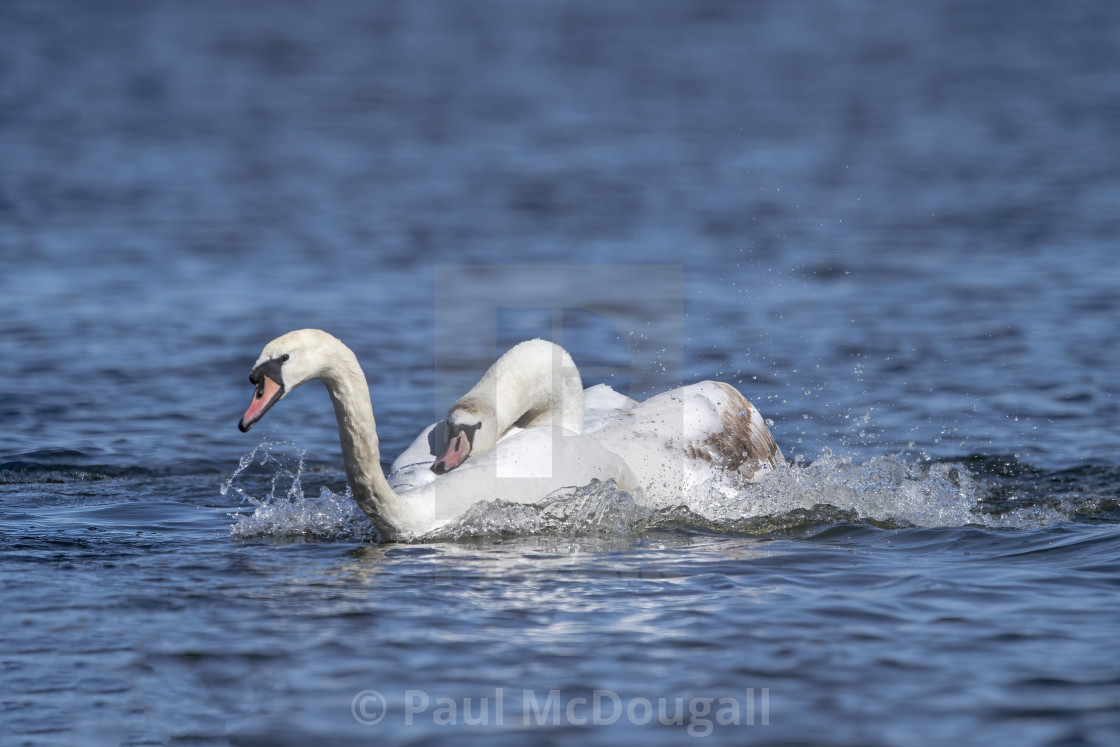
x=458 y=449
x=265 y=396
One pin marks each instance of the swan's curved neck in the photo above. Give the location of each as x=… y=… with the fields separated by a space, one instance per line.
x=357 y=432
x=536 y=383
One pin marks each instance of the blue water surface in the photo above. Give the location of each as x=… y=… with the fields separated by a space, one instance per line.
x=892 y=226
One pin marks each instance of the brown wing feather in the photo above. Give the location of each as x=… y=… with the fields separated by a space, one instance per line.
x=744 y=445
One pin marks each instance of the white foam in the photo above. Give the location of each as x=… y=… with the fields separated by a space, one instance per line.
x=598 y=508
x=889 y=490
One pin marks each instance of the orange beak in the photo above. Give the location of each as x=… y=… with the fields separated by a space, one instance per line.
x=266 y=395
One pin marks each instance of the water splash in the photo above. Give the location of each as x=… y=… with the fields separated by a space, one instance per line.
x=889 y=491
x=289 y=514
x=271 y=455
x=329 y=516
x=599 y=508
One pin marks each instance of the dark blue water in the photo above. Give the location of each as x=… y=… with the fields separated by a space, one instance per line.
x=893 y=226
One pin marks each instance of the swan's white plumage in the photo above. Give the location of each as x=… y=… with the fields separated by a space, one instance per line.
x=535 y=383
x=662 y=450
x=602 y=406
x=524 y=467
x=675 y=443
x=679 y=440
x=413 y=467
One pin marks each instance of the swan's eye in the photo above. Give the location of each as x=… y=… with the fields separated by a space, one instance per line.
x=284 y=357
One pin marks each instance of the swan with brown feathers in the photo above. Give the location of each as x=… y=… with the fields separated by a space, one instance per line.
x=675 y=442
x=516 y=435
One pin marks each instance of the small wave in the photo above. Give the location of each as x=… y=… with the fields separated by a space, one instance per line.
x=68 y=465
x=887 y=492
x=61 y=465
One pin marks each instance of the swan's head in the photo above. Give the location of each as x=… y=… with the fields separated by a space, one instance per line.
x=284 y=364
x=471 y=426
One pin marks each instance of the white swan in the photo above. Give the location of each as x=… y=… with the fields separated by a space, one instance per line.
x=678 y=441
x=535 y=383
x=674 y=443
x=523 y=468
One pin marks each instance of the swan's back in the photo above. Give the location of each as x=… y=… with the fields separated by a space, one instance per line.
x=680 y=439
x=602 y=406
